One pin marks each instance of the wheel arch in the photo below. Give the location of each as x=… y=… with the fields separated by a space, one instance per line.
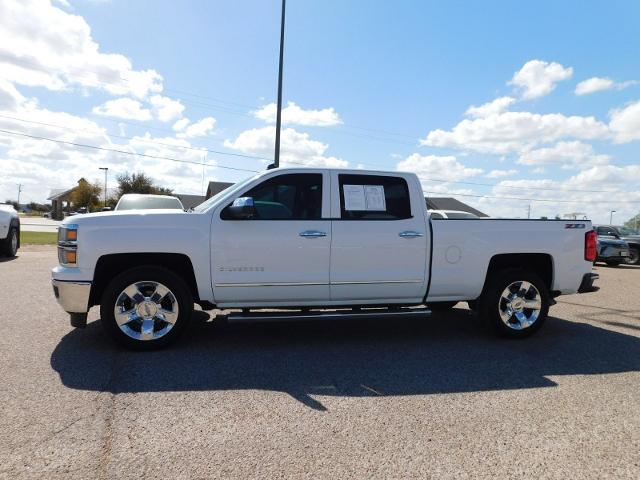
x=539 y=263
x=108 y=266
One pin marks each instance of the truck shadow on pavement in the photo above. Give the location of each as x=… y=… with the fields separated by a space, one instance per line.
x=444 y=354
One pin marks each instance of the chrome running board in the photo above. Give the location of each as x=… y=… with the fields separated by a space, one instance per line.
x=284 y=316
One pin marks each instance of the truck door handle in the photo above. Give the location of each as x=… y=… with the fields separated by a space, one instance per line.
x=312 y=234
x=409 y=234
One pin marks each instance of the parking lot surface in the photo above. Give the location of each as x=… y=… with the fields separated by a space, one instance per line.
x=434 y=398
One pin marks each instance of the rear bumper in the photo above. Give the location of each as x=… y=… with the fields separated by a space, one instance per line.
x=587 y=283
x=73 y=296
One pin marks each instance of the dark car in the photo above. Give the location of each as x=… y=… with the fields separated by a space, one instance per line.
x=629 y=235
x=612 y=251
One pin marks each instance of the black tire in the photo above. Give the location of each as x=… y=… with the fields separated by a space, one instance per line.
x=634 y=257
x=173 y=282
x=613 y=263
x=490 y=302
x=9 y=246
x=441 y=306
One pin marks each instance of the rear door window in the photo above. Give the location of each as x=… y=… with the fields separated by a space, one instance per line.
x=373 y=197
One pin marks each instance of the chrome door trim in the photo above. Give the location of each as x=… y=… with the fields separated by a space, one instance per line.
x=274 y=284
x=374 y=282
x=304 y=284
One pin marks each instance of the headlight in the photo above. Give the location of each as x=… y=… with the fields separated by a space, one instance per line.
x=68 y=245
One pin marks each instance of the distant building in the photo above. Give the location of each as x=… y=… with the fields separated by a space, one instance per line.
x=190 y=201
x=60 y=199
x=448 y=203
x=216 y=187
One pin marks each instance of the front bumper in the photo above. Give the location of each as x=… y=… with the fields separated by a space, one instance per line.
x=73 y=296
x=587 y=283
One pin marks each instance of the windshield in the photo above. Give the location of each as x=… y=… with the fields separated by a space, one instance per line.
x=148 y=203
x=628 y=231
x=233 y=188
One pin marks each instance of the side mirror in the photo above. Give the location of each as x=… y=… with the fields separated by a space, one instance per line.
x=242 y=208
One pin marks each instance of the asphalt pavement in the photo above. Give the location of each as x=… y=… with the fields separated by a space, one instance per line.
x=431 y=398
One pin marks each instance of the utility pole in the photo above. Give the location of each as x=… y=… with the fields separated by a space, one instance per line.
x=19 y=190
x=276 y=156
x=106 y=169
x=529 y=211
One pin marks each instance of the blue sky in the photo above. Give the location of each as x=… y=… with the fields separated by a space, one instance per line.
x=376 y=84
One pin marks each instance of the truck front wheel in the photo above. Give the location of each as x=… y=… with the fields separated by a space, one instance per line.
x=515 y=303
x=146 y=307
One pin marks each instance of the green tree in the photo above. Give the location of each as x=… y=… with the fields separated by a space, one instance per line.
x=139 y=183
x=12 y=202
x=86 y=194
x=633 y=222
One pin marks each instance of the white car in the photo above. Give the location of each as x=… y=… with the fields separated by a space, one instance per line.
x=438 y=214
x=9 y=230
x=138 y=201
x=354 y=241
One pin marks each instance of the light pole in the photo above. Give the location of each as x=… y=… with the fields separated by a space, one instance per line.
x=276 y=155
x=19 y=190
x=611 y=217
x=106 y=169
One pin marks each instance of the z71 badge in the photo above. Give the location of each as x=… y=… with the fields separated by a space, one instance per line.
x=574 y=225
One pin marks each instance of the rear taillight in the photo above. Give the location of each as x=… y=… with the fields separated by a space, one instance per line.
x=590 y=246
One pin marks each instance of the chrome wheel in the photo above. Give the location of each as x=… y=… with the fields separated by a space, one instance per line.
x=146 y=310
x=520 y=305
x=634 y=256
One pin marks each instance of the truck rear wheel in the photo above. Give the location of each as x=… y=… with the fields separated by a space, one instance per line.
x=515 y=303
x=145 y=308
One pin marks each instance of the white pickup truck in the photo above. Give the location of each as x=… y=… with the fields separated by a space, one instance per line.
x=315 y=243
x=9 y=230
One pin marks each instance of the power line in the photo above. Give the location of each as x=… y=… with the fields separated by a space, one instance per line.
x=204 y=149
x=157 y=157
x=535 y=199
x=138 y=139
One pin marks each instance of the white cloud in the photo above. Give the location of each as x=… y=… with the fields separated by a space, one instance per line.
x=126 y=108
x=201 y=128
x=429 y=167
x=292 y=114
x=166 y=108
x=10 y=98
x=44 y=46
x=573 y=154
x=296 y=148
x=625 y=123
x=538 y=78
x=496 y=106
x=596 y=84
x=181 y=124
x=515 y=131
x=500 y=173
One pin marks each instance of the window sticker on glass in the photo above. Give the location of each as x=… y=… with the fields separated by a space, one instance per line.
x=354 y=197
x=374 y=197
